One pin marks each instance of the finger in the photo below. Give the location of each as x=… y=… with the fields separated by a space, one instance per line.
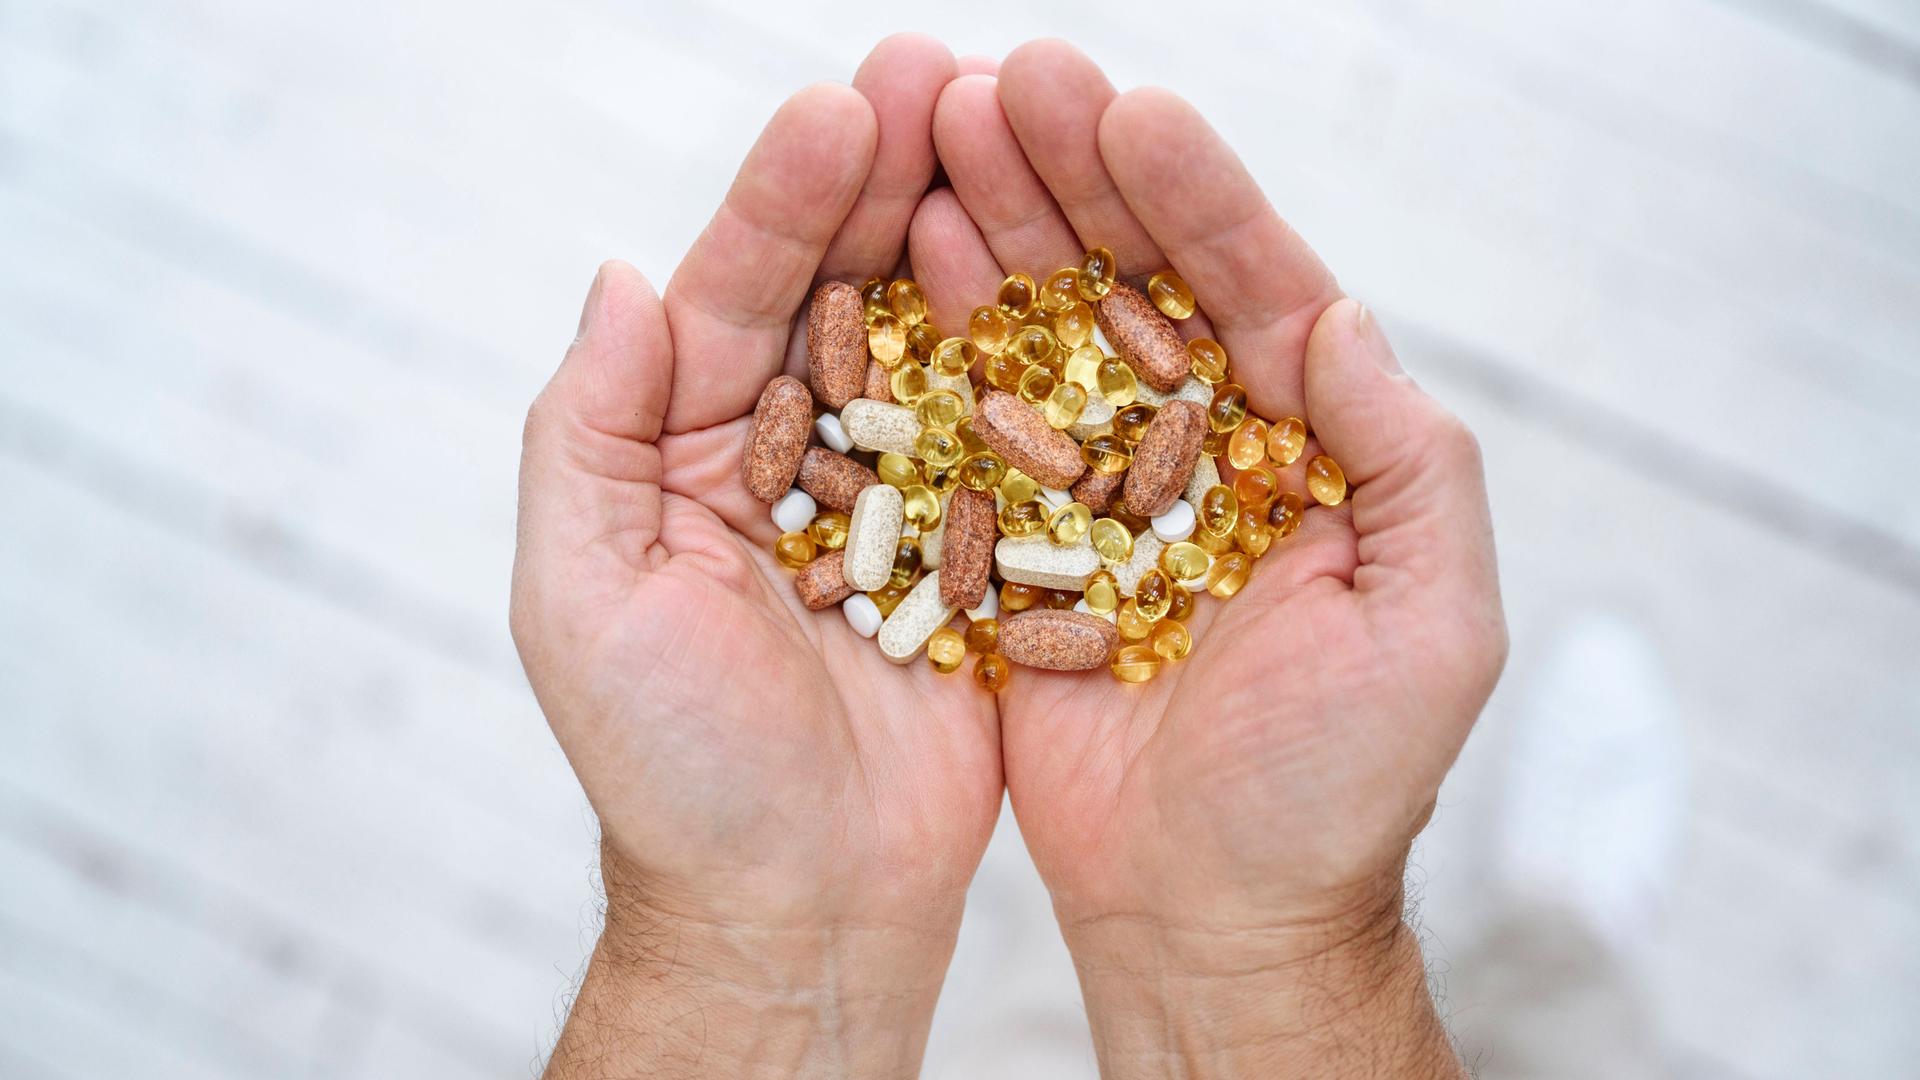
x=1258 y=280
x=901 y=78
x=990 y=174
x=975 y=64
x=951 y=260
x=732 y=301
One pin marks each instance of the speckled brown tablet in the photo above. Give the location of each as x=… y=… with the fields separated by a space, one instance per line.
x=822 y=583
x=966 y=549
x=1164 y=459
x=1098 y=490
x=837 y=343
x=1143 y=337
x=1057 y=640
x=879 y=383
x=833 y=479
x=1017 y=432
x=778 y=438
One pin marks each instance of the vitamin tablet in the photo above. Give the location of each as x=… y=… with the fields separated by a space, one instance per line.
x=822 y=583
x=1020 y=435
x=1037 y=560
x=1164 y=458
x=1098 y=490
x=827 y=427
x=837 y=343
x=873 y=530
x=834 y=479
x=966 y=558
x=1176 y=523
x=879 y=385
x=914 y=620
x=1056 y=640
x=874 y=425
x=988 y=608
x=777 y=439
x=1143 y=337
x=862 y=614
x=794 y=512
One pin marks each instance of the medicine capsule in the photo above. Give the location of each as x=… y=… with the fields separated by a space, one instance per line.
x=1019 y=519
x=1033 y=345
x=992 y=672
x=1069 y=523
x=828 y=530
x=1132 y=625
x=887 y=339
x=794 y=550
x=1035 y=384
x=1208 y=361
x=953 y=356
x=920 y=507
x=1252 y=534
x=1247 y=446
x=1171 y=640
x=1153 y=596
x=1169 y=293
x=1017 y=295
x=907 y=302
x=1060 y=599
x=1134 y=522
x=1219 y=510
x=906 y=562
x=1118 y=385
x=1074 y=326
x=907 y=383
x=971 y=443
x=941 y=478
x=922 y=339
x=937 y=446
x=1285 y=440
x=1083 y=366
x=1003 y=373
x=946 y=649
x=1131 y=422
x=990 y=328
x=1184 y=561
x=1214 y=443
x=888 y=596
x=1135 y=663
x=1017 y=597
x=939 y=409
x=1065 y=405
x=873 y=299
x=1284 y=515
x=1229 y=574
x=1212 y=544
x=1019 y=487
x=982 y=471
x=1097 y=272
x=1326 y=482
x=1103 y=592
x=983 y=635
x=1111 y=540
x=1061 y=291
x=1106 y=452
x=1182 y=604
x=897 y=470
x=1228 y=407
x=1256 y=488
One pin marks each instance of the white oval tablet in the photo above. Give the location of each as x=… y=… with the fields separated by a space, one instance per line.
x=880 y=425
x=1176 y=524
x=794 y=512
x=832 y=432
x=873 y=532
x=862 y=614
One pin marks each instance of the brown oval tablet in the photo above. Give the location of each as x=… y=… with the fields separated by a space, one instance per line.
x=1057 y=640
x=1164 y=459
x=778 y=438
x=966 y=547
x=1098 y=490
x=837 y=343
x=879 y=383
x=822 y=583
x=1143 y=337
x=833 y=479
x=1017 y=432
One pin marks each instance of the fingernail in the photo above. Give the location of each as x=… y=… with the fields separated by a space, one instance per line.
x=592 y=305
x=1367 y=329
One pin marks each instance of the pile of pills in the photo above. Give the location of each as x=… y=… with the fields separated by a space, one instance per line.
x=1070 y=502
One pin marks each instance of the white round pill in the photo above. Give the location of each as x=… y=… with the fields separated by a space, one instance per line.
x=1176 y=524
x=794 y=512
x=1055 y=497
x=862 y=614
x=830 y=432
x=989 y=605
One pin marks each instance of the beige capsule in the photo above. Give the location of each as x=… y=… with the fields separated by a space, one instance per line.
x=873 y=534
x=875 y=425
x=1037 y=560
x=919 y=614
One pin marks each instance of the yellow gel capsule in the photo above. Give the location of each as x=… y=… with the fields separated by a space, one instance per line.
x=1219 y=510
x=1207 y=360
x=1247 y=446
x=953 y=356
x=1117 y=382
x=1132 y=625
x=1103 y=592
x=887 y=339
x=1035 y=384
x=906 y=562
x=983 y=635
x=946 y=649
x=1326 y=482
x=1253 y=535
x=990 y=329
x=1182 y=604
x=1074 y=326
x=1228 y=407
x=1184 y=561
x=888 y=597
x=940 y=478
x=1015 y=596
x=1019 y=487
x=1135 y=663
x=1017 y=295
x=1229 y=574
x=1131 y=422
x=1285 y=440
x=873 y=299
x=1060 y=599
x=897 y=470
x=1061 y=291
x=828 y=530
x=1211 y=543
x=1256 y=488
x=794 y=550
x=1022 y=518
x=982 y=471
x=1111 y=540
x=1003 y=373
x=939 y=409
x=1065 y=405
x=908 y=382
x=1083 y=366
x=992 y=672
x=1069 y=523
x=1097 y=272
x=972 y=443
x=1284 y=515
x=1033 y=345
x=1153 y=596
x=907 y=302
x=922 y=339
x=1171 y=640
x=1169 y=293
x=1214 y=443
x=1106 y=453
x=920 y=506
x=937 y=446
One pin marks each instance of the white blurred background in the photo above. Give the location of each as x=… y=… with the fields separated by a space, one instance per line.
x=277 y=282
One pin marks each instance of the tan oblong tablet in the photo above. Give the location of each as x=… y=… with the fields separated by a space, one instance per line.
x=1163 y=462
x=1098 y=490
x=1017 y=432
x=837 y=343
x=1144 y=338
x=919 y=614
x=833 y=479
x=876 y=425
x=1057 y=640
x=777 y=440
x=967 y=548
x=822 y=583
x=1037 y=560
x=873 y=532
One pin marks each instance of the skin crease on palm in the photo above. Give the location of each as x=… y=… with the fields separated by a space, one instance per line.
x=754 y=761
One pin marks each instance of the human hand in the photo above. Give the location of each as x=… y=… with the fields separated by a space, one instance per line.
x=1225 y=844
x=789 y=821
